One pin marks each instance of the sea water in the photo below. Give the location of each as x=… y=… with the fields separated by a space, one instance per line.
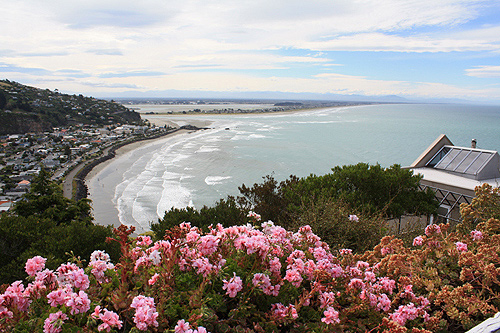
x=201 y=167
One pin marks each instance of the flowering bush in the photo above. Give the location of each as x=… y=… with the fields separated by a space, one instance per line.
x=457 y=273
x=245 y=278
x=263 y=278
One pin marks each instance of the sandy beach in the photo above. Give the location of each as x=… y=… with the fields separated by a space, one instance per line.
x=103 y=178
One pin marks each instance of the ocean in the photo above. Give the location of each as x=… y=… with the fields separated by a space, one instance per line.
x=199 y=168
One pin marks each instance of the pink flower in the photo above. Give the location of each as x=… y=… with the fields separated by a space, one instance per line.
x=417 y=241
x=35 y=265
x=182 y=326
x=432 y=229
x=461 y=247
x=79 y=303
x=99 y=255
x=326 y=299
x=153 y=279
x=254 y=216
x=275 y=265
x=331 y=316
x=54 y=322
x=356 y=284
x=144 y=240
x=110 y=319
x=353 y=218
x=383 y=303
x=145 y=312
x=293 y=276
x=233 y=285
x=345 y=252
x=58 y=297
x=476 y=235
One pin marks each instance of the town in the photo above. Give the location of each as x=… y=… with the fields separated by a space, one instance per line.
x=60 y=133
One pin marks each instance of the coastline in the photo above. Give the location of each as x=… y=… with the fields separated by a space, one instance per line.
x=100 y=189
x=103 y=179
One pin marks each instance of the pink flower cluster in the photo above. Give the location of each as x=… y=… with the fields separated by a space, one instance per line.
x=54 y=322
x=476 y=235
x=34 y=265
x=432 y=229
x=100 y=263
x=109 y=319
x=233 y=285
x=184 y=327
x=254 y=216
x=145 y=312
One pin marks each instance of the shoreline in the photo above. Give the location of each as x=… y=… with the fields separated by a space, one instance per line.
x=101 y=191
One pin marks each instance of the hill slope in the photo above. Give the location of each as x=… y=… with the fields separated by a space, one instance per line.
x=28 y=109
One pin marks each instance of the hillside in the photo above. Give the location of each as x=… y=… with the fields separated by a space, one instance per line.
x=26 y=109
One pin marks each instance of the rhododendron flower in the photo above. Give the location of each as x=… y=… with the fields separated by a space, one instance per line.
x=293 y=276
x=233 y=285
x=54 y=322
x=461 y=247
x=35 y=265
x=417 y=241
x=331 y=316
x=356 y=284
x=353 y=218
x=476 y=235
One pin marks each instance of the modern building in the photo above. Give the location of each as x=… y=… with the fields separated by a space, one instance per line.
x=453 y=173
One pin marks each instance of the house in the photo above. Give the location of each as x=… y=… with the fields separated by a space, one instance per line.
x=5 y=205
x=453 y=173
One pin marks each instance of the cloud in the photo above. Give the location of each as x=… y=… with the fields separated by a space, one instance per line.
x=109 y=85
x=130 y=74
x=484 y=72
x=394 y=43
x=113 y=52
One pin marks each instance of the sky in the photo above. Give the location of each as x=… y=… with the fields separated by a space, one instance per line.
x=411 y=48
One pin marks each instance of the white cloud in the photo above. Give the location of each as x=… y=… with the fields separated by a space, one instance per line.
x=176 y=42
x=484 y=72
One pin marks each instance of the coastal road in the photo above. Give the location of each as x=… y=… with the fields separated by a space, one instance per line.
x=68 y=180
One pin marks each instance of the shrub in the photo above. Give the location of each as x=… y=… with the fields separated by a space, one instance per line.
x=235 y=279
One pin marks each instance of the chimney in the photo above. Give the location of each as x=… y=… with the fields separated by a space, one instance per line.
x=473 y=143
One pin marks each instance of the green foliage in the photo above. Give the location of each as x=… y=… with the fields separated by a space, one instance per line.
x=47 y=224
x=3 y=100
x=371 y=188
x=269 y=199
x=45 y=199
x=225 y=212
x=329 y=219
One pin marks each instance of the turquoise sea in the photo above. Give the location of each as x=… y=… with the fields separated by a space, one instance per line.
x=199 y=168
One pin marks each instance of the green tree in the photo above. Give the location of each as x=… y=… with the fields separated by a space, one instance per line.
x=394 y=191
x=45 y=199
x=3 y=100
x=47 y=224
x=225 y=212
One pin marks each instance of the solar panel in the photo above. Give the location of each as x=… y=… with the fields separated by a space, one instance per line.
x=460 y=160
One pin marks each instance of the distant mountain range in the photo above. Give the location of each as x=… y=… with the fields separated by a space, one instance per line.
x=25 y=109
x=283 y=96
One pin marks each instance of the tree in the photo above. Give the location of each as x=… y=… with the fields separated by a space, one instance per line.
x=3 y=100
x=370 y=188
x=225 y=212
x=47 y=224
